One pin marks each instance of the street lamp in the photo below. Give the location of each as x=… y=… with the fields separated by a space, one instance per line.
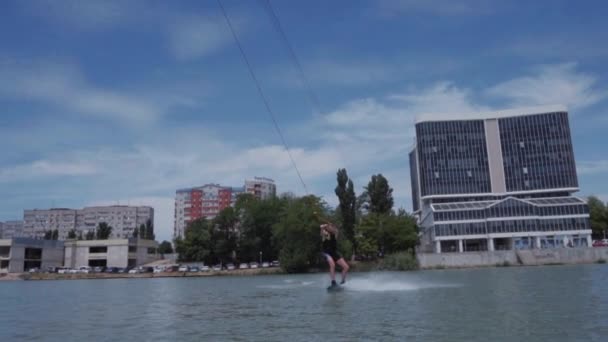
x=260 y=257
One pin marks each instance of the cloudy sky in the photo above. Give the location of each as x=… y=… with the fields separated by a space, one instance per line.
x=126 y=101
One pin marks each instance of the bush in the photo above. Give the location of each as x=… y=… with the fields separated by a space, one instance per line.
x=401 y=261
x=601 y=261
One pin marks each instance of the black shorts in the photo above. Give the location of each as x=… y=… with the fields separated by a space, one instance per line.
x=334 y=255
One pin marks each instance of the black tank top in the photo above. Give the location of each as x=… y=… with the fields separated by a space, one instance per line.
x=330 y=245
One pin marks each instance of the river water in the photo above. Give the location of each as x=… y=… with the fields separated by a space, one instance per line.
x=553 y=303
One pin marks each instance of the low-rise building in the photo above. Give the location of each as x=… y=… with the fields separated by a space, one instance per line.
x=110 y=253
x=21 y=254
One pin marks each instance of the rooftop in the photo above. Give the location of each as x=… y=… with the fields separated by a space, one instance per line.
x=483 y=115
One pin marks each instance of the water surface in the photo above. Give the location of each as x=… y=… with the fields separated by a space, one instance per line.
x=555 y=303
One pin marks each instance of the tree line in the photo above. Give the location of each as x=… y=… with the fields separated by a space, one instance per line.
x=598 y=217
x=287 y=228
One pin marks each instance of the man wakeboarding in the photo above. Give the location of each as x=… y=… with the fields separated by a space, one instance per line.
x=329 y=234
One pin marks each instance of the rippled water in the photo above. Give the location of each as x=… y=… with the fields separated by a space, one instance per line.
x=556 y=303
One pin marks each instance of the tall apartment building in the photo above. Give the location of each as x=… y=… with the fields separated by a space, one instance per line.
x=208 y=200
x=503 y=180
x=123 y=220
x=11 y=229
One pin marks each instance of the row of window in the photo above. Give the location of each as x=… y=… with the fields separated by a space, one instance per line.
x=512 y=226
x=511 y=211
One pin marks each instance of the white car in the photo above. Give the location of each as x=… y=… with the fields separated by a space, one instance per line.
x=183 y=269
x=253 y=265
x=217 y=268
x=84 y=269
x=159 y=269
x=134 y=271
x=62 y=271
x=243 y=266
x=205 y=269
x=265 y=265
x=230 y=267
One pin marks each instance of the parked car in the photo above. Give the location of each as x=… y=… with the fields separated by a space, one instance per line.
x=133 y=271
x=122 y=270
x=159 y=269
x=600 y=243
x=84 y=269
x=230 y=267
x=217 y=267
x=63 y=270
x=243 y=266
x=275 y=263
x=112 y=270
x=98 y=269
x=253 y=265
x=265 y=264
x=193 y=269
x=205 y=269
x=183 y=268
x=34 y=270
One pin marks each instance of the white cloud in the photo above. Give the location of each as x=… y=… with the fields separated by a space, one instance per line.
x=46 y=168
x=551 y=84
x=64 y=86
x=197 y=36
x=592 y=167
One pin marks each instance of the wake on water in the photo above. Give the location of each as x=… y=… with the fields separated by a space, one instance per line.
x=378 y=282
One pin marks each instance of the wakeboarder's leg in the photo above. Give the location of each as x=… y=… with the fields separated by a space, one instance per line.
x=345 y=269
x=332 y=269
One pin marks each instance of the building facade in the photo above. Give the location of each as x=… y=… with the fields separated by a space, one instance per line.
x=502 y=180
x=22 y=254
x=208 y=200
x=11 y=229
x=110 y=253
x=123 y=220
x=260 y=187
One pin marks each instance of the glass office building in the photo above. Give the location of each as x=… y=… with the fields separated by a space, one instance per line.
x=502 y=180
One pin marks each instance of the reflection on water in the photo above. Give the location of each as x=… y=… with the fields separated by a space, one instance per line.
x=558 y=303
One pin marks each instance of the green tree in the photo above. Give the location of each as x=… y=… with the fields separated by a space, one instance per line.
x=90 y=235
x=165 y=247
x=378 y=195
x=225 y=235
x=136 y=233
x=55 y=235
x=103 y=231
x=196 y=244
x=598 y=217
x=72 y=234
x=387 y=233
x=347 y=208
x=80 y=236
x=48 y=235
x=297 y=234
x=150 y=230
x=257 y=219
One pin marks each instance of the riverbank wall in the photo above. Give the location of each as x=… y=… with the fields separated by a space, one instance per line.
x=533 y=257
x=58 y=276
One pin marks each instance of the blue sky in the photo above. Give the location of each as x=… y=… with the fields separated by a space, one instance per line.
x=106 y=102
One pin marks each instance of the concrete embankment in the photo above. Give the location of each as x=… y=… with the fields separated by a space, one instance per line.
x=57 y=276
x=534 y=257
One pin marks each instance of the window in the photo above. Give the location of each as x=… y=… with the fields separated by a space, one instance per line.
x=522 y=144
x=525 y=170
x=99 y=249
x=436 y=174
x=132 y=249
x=151 y=250
x=469 y=173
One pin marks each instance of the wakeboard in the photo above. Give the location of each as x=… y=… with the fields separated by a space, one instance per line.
x=335 y=288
